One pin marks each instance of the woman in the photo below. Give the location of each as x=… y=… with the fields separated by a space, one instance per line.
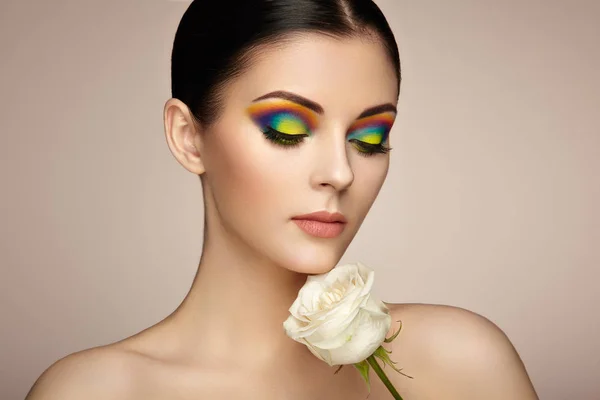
x=283 y=108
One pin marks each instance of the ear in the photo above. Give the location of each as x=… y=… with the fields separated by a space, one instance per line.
x=182 y=136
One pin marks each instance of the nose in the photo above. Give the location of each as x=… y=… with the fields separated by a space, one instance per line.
x=331 y=166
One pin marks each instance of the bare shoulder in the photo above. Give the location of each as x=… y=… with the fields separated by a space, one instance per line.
x=454 y=353
x=100 y=373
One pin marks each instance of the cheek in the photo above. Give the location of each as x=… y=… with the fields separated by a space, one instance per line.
x=241 y=173
x=369 y=176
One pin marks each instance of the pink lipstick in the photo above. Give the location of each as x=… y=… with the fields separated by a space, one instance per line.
x=321 y=224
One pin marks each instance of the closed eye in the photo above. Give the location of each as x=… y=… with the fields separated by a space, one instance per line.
x=369 y=149
x=283 y=139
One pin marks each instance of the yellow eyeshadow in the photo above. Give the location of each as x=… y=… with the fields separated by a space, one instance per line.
x=291 y=127
x=371 y=139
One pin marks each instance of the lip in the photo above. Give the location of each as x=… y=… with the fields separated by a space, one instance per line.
x=321 y=224
x=322 y=216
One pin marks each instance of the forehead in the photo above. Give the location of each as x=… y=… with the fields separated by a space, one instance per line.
x=343 y=75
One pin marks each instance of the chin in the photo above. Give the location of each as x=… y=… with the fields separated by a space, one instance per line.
x=312 y=256
x=312 y=261
x=311 y=269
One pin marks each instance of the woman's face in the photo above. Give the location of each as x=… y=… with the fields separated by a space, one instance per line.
x=304 y=130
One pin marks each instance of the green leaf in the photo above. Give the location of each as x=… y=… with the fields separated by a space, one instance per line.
x=363 y=368
x=383 y=355
x=389 y=340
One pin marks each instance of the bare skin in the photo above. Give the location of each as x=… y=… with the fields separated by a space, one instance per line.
x=226 y=340
x=450 y=354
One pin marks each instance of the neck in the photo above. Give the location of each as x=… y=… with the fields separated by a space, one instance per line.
x=235 y=310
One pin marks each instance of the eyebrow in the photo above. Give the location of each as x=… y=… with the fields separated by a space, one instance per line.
x=316 y=107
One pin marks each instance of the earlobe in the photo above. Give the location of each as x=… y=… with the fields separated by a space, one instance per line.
x=182 y=136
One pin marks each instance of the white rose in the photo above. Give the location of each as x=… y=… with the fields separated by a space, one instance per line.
x=335 y=316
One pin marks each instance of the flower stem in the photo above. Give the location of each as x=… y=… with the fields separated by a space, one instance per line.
x=379 y=371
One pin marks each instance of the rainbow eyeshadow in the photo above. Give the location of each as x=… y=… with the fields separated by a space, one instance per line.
x=373 y=129
x=283 y=116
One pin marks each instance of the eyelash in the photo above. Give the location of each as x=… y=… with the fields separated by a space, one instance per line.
x=289 y=141
x=282 y=139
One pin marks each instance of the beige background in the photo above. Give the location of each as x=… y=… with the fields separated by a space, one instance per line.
x=491 y=203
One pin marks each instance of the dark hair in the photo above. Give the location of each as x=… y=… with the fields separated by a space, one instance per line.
x=217 y=39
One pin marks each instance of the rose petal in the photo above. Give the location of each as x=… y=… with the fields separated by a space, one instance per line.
x=336 y=317
x=369 y=335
